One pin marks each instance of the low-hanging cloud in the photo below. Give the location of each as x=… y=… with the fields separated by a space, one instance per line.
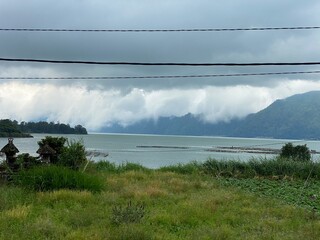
x=95 y=108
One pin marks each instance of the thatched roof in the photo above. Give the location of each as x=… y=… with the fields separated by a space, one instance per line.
x=10 y=147
x=46 y=150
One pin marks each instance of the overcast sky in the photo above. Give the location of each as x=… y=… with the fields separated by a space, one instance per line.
x=98 y=103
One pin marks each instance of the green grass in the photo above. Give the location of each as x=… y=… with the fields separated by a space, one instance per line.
x=48 y=178
x=105 y=166
x=177 y=205
x=300 y=193
x=274 y=168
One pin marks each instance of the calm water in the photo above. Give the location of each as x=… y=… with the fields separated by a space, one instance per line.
x=174 y=149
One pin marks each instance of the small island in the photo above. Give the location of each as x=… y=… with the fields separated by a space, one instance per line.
x=9 y=128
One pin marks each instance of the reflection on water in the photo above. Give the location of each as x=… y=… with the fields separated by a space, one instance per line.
x=155 y=151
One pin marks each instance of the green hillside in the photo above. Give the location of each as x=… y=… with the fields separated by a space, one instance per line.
x=295 y=117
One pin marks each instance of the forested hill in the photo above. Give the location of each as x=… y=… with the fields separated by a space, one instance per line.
x=296 y=117
x=10 y=128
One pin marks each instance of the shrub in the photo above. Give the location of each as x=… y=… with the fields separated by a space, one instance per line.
x=48 y=178
x=297 y=153
x=56 y=143
x=73 y=156
x=105 y=166
x=128 y=166
x=26 y=161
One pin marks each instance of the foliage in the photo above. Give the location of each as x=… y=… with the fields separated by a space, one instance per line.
x=274 y=168
x=295 y=153
x=26 y=161
x=10 y=128
x=73 y=156
x=130 y=214
x=48 y=178
x=45 y=127
x=56 y=143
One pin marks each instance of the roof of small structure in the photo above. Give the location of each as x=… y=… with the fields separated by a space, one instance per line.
x=46 y=149
x=9 y=147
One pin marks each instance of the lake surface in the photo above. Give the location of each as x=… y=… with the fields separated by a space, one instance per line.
x=154 y=151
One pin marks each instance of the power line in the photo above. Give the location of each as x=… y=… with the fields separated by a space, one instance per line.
x=159 y=63
x=160 y=30
x=161 y=76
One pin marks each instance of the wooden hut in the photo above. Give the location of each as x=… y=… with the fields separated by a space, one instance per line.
x=46 y=153
x=10 y=150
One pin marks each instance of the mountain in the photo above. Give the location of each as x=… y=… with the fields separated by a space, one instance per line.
x=186 y=125
x=296 y=117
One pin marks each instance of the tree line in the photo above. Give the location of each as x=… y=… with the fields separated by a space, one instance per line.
x=9 y=126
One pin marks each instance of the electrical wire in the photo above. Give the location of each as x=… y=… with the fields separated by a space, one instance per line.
x=160 y=30
x=159 y=63
x=159 y=77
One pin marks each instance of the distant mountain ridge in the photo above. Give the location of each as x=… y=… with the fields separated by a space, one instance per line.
x=296 y=117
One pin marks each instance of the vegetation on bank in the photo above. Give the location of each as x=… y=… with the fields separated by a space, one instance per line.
x=51 y=127
x=9 y=128
x=261 y=199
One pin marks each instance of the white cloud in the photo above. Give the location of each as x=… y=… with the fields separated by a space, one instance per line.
x=96 y=108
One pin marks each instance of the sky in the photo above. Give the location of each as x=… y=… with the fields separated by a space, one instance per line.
x=98 y=103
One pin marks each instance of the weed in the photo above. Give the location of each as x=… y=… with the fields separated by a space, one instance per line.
x=129 y=214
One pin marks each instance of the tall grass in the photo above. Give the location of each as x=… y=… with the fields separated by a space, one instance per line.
x=276 y=168
x=109 y=167
x=48 y=178
x=189 y=168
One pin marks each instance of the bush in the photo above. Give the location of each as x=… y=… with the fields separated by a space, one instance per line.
x=73 y=156
x=297 y=153
x=48 y=178
x=26 y=161
x=56 y=143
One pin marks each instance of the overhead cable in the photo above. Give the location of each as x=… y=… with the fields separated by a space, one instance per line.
x=160 y=77
x=159 y=63
x=160 y=30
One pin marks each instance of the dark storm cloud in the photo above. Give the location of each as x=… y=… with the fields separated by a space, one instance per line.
x=161 y=47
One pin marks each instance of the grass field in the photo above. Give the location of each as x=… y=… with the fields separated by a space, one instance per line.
x=170 y=203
